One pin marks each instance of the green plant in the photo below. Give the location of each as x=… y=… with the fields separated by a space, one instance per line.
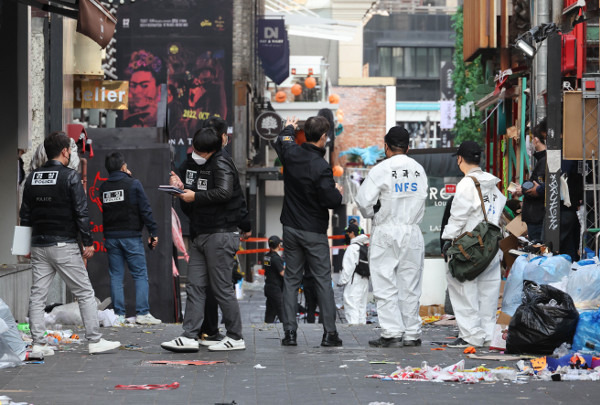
x=466 y=79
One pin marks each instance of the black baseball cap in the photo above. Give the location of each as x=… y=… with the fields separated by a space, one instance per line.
x=470 y=150
x=274 y=240
x=397 y=136
x=352 y=228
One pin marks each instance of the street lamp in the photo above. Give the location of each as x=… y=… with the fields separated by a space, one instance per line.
x=527 y=40
x=526 y=45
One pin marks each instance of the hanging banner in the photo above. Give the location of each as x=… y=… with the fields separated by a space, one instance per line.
x=447 y=114
x=446 y=83
x=186 y=46
x=274 y=48
x=106 y=94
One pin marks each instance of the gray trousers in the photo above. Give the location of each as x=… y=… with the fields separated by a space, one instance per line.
x=64 y=259
x=313 y=248
x=211 y=262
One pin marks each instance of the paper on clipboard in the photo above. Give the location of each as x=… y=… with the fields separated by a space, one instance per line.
x=21 y=241
x=170 y=189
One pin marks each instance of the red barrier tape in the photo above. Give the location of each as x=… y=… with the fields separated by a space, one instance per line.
x=161 y=387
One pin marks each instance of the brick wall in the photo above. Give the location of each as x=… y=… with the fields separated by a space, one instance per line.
x=364 y=118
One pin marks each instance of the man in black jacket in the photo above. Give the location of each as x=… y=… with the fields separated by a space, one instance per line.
x=125 y=211
x=209 y=332
x=55 y=207
x=534 y=210
x=309 y=193
x=216 y=208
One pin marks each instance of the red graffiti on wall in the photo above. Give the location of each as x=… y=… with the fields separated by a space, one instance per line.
x=94 y=191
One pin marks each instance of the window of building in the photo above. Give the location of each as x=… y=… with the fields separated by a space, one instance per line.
x=385 y=62
x=412 y=62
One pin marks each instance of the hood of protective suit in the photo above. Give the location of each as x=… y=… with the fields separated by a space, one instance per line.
x=466 y=211
x=362 y=239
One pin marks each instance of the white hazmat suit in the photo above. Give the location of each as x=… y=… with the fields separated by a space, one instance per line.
x=356 y=288
x=475 y=302
x=396 y=254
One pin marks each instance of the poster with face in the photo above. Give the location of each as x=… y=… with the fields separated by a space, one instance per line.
x=177 y=55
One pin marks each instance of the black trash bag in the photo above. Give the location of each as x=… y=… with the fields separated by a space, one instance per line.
x=546 y=319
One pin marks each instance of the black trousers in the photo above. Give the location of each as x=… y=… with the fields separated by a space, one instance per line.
x=210 y=325
x=569 y=233
x=274 y=304
x=303 y=247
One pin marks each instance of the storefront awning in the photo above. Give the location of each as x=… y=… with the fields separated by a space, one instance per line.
x=93 y=20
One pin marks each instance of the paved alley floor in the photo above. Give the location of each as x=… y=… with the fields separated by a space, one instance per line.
x=306 y=374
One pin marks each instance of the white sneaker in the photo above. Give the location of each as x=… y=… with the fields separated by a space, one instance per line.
x=228 y=344
x=181 y=344
x=102 y=346
x=147 y=319
x=45 y=350
x=211 y=340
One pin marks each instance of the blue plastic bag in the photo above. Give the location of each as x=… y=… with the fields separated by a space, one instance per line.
x=584 y=285
x=551 y=270
x=513 y=289
x=587 y=335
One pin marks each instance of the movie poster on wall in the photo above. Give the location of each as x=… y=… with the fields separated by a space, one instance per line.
x=179 y=55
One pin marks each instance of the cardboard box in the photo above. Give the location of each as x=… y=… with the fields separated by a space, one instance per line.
x=506 y=244
x=500 y=332
x=517 y=227
x=502 y=284
x=431 y=310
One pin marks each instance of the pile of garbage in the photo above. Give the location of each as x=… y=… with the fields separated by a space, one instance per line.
x=549 y=301
x=581 y=280
x=453 y=373
x=570 y=367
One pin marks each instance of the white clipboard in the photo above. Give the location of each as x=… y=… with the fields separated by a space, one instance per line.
x=21 y=241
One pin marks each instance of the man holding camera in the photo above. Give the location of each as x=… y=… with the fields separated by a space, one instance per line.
x=533 y=190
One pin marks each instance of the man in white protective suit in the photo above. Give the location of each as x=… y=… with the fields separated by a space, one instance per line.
x=356 y=287
x=394 y=194
x=474 y=302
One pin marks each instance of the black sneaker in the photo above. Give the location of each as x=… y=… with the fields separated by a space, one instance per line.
x=289 y=339
x=416 y=342
x=459 y=342
x=386 y=342
x=331 y=339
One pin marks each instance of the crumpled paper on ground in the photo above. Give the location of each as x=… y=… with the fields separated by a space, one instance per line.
x=453 y=373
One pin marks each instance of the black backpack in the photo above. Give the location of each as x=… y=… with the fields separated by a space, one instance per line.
x=362 y=268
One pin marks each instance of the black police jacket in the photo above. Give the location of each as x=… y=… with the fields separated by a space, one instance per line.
x=123 y=199
x=309 y=188
x=219 y=204
x=273 y=267
x=534 y=207
x=55 y=206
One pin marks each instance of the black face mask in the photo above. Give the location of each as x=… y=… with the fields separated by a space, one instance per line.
x=347 y=239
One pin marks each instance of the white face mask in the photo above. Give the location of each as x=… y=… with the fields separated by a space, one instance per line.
x=198 y=159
